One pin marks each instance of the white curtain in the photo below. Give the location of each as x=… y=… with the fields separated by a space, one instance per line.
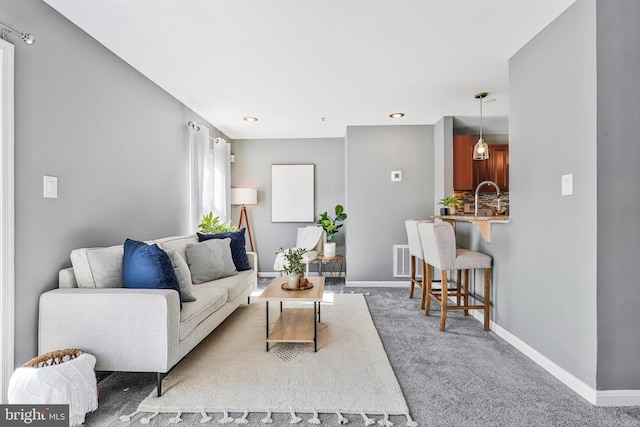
x=210 y=176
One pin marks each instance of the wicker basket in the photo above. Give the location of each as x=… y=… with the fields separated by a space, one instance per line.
x=54 y=358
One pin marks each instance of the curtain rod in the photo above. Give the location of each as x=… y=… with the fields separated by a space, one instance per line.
x=25 y=37
x=195 y=126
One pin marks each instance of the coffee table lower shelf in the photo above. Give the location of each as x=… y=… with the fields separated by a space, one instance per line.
x=293 y=325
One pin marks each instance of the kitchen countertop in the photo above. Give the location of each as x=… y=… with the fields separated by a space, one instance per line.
x=482 y=222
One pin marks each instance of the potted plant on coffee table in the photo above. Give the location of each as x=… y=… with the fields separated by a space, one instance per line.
x=331 y=226
x=450 y=204
x=293 y=266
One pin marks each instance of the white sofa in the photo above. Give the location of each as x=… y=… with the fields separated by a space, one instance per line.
x=134 y=330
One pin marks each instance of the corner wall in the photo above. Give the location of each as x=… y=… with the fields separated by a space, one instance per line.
x=376 y=206
x=618 y=97
x=547 y=297
x=115 y=140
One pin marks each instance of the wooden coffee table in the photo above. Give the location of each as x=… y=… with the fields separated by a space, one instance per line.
x=294 y=324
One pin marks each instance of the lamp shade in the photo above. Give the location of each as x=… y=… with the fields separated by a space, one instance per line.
x=244 y=196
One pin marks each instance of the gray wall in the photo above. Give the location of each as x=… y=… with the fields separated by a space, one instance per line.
x=116 y=142
x=546 y=284
x=252 y=168
x=378 y=207
x=618 y=97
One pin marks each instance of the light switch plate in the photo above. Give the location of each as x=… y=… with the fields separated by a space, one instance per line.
x=50 y=187
x=396 y=176
x=567 y=184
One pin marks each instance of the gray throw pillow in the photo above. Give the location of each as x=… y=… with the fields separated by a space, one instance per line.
x=183 y=274
x=210 y=260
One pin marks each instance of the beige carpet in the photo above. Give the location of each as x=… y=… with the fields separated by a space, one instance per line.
x=230 y=371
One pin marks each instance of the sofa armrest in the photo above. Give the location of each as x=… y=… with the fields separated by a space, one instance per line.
x=253 y=260
x=67 y=278
x=134 y=330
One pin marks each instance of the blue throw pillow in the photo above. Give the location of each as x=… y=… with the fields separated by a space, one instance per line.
x=149 y=267
x=238 y=249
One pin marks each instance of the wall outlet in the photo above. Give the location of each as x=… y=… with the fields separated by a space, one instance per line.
x=396 y=176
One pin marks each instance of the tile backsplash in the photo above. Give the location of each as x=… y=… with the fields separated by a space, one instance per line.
x=485 y=200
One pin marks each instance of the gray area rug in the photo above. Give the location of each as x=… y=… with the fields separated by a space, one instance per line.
x=463 y=377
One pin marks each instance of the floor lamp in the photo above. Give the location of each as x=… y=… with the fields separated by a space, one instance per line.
x=244 y=196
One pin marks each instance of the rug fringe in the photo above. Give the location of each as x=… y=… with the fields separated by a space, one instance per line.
x=226 y=419
x=315 y=419
x=267 y=419
x=127 y=418
x=244 y=419
x=205 y=418
x=341 y=419
x=176 y=419
x=294 y=418
x=367 y=421
x=410 y=422
x=148 y=419
x=385 y=421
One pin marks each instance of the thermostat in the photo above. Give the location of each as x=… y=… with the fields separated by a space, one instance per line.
x=396 y=176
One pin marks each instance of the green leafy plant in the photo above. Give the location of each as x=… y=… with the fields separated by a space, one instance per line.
x=293 y=258
x=451 y=202
x=210 y=224
x=330 y=225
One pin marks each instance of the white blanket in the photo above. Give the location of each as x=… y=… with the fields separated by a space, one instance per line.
x=72 y=382
x=308 y=240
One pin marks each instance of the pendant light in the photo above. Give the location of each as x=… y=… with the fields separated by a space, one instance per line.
x=481 y=149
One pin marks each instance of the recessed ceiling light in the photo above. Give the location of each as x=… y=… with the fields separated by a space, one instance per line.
x=396 y=115
x=250 y=119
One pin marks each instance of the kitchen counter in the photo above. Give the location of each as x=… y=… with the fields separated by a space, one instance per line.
x=482 y=222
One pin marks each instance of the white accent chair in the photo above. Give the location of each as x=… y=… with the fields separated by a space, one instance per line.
x=311 y=238
x=439 y=245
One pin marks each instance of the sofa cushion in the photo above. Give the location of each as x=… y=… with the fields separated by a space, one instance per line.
x=238 y=246
x=183 y=274
x=177 y=243
x=210 y=260
x=235 y=285
x=148 y=267
x=98 y=267
x=209 y=299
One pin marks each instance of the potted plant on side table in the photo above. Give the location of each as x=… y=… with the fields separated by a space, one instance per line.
x=331 y=226
x=293 y=266
x=450 y=204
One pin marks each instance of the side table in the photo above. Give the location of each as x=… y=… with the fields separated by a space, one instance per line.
x=333 y=265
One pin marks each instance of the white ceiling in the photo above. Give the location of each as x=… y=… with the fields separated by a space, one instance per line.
x=293 y=63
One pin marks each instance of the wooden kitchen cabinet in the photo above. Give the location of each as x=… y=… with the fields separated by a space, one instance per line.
x=468 y=173
x=463 y=163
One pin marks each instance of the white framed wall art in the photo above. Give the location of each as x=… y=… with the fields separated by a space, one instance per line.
x=292 y=193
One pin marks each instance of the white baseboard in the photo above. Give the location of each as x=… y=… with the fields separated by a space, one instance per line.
x=591 y=395
x=372 y=284
x=268 y=274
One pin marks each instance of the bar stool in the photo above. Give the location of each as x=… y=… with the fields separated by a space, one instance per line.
x=439 y=246
x=415 y=250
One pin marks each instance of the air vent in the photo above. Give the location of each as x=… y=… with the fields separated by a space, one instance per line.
x=402 y=262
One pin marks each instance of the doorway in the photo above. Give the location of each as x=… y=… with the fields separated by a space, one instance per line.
x=7 y=209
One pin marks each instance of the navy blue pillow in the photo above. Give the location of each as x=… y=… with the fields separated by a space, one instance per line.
x=238 y=249
x=149 y=267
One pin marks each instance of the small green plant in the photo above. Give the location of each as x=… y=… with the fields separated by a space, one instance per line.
x=293 y=258
x=451 y=202
x=331 y=225
x=210 y=224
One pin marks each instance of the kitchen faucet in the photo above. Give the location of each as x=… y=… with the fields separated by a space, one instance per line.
x=478 y=189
